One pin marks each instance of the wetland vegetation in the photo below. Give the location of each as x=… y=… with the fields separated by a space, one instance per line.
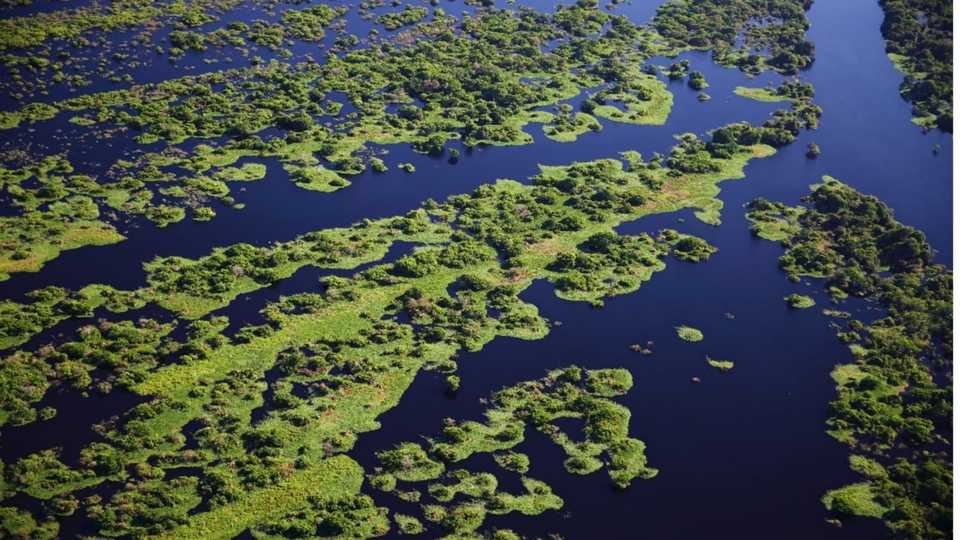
x=893 y=407
x=343 y=351
x=480 y=80
x=185 y=415
x=919 y=36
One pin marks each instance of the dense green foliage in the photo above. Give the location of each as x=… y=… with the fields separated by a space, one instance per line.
x=894 y=402
x=266 y=453
x=566 y=393
x=479 y=80
x=919 y=36
x=773 y=32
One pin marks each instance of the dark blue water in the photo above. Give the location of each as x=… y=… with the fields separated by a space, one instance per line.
x=743 y=453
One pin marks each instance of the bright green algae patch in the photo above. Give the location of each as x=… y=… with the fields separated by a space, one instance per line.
x=688 y=333
x=558 y=228
x=789 y=90
x=766 y=95
x=799 y=301
x=722 y=365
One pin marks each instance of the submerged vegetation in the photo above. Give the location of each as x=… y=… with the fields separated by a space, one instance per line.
x=894 y=400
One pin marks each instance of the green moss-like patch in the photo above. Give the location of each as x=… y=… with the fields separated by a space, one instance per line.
x=688 y=333
x=722 y=365
x=854 y=500
x=766 y=95
x=799 y=301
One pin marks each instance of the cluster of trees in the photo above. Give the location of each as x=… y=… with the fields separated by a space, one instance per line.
x=781 y=129
x=405 y=17
x=920 y=33
x=773 y=31
x=796 y=89
x=352 y=517
x=218 y=273
x=852 y=238
x=898 y=394
x=697 y=81
x=606 y=258
x=221 y=272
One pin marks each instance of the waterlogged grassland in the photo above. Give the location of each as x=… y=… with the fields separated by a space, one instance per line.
x=565 y=393
x=78 y=46
x=566 y=126
x=339 y=347
x=33 y=30
x=772 y=220
x=331 y=479
x=766 y=95
x=195 y=288
x=30 y=242
x=855 y=499
x=482 y=81
x=250 y=430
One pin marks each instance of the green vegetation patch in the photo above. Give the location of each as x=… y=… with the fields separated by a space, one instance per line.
x=919 y=36
x=688 y=333
x=722 y=365
x=799 y=301
x=766 y=95
x=854 y=500
x=465 y=498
